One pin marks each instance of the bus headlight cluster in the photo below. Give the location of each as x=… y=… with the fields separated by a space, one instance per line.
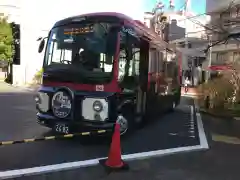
x=42 y=101
x=97 y=106
x=61 y=104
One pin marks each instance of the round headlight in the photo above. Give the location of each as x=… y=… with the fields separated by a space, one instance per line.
x=61 y=104
x=42 y=100
x=97 y=106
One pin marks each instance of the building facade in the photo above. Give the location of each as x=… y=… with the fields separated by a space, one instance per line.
x=223 y=15
x=190 y=38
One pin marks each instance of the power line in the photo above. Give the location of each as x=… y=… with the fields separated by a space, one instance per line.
x=210 y=13
x=214 y=26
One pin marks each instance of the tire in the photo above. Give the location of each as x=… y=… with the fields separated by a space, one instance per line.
x=139 y=122
x=129 y=116
x=173 y=106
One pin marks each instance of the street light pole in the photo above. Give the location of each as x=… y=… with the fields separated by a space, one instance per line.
x=210 y=57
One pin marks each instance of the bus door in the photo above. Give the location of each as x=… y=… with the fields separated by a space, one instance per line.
x=172 y=81
x=161 y=81
x=143 y=69
x=152 y=95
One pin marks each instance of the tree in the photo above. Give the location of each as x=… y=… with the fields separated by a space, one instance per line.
x=6 y=41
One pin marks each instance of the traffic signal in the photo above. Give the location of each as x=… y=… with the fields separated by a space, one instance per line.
x=16 y=36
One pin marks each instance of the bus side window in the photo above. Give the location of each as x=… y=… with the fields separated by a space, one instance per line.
x=134 y=63
x=151 y=62
x=129 y=66
x=160 y=61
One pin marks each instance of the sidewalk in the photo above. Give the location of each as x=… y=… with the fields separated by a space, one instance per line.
x=223 y=129
x=5 y=87
x=192 y=92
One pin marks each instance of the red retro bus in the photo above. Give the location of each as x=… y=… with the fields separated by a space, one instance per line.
x=101 y=68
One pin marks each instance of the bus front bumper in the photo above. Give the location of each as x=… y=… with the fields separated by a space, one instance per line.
x=73 y=126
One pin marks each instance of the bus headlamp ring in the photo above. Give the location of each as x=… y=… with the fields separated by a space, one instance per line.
x=97 y=106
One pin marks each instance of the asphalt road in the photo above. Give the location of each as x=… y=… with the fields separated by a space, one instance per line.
x=18 y=122
x=221 y=162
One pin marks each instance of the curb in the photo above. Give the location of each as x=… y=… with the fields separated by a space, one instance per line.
x=22 y=87
x=219 y=116
x=237 y=118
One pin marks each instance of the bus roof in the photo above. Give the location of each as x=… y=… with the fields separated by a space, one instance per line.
x=140 y=28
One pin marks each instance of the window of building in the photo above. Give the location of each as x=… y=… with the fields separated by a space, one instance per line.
x=236 y=56
x=235 y=12
x=221 y=57
x=225 y=15
x=182 y=44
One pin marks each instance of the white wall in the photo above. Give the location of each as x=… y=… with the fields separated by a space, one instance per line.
x=40 y=15
x=11 y=8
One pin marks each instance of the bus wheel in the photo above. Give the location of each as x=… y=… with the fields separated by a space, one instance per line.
x=139 y=121
x=173 y=106
x=124 y=124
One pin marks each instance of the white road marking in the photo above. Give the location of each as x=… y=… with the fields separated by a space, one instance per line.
x=172 y=134
x=192 y=127
x=202 y=135
x=136 y=156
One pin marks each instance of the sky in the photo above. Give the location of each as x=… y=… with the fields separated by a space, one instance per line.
x=197 y=6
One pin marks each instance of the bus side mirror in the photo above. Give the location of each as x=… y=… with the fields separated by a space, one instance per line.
x=41 y=46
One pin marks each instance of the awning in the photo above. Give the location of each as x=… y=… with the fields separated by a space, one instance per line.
x=220 y=67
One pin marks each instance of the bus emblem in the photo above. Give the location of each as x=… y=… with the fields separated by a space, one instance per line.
x=99 y=88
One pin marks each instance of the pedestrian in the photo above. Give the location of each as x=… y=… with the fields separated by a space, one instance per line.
x=186 y=83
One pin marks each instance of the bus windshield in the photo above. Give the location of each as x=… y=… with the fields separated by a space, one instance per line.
x=88 y=48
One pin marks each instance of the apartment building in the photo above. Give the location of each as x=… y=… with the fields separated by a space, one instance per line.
x=223 y=13
x=190 y=38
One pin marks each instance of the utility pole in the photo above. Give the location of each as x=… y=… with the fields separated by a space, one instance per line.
x=186 y=34
x=210 y=57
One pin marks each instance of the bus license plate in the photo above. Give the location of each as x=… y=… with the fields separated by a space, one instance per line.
x=61 y=128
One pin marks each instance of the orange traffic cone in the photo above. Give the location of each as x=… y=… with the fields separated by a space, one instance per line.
x=114 y=161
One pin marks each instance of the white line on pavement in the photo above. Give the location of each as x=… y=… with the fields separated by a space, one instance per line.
x=78 y=164
x=136 y=156
x=202 y=135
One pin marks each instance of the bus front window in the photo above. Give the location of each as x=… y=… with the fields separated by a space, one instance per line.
x=88 y=47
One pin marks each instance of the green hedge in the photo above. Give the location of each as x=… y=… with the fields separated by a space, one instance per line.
x=38 y=77
x=220 y=91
